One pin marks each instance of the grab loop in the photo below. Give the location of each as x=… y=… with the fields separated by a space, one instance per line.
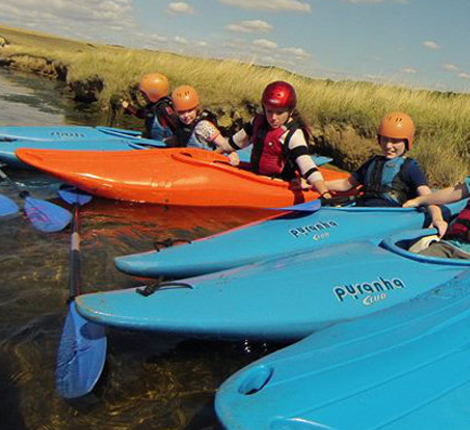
x=150 y=289
x=167 y=243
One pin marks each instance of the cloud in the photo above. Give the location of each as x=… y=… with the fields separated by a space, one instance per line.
x=271 y=5
x=181 y=40
x=250 y=26
x=296 y=52
x=91 y=19
x=409 y=70
x=464 y=75
x=180 y=7
x=450 y=67
x=431 y=45
x=264 y=44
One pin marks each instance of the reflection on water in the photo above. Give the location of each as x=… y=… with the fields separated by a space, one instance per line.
x=150 y=382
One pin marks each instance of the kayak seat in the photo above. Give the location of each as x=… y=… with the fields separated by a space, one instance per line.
x=400 y=243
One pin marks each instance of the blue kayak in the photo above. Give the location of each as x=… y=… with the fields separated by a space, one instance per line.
x=63 y=132
x=406 y=368
x=281 y=299
x=293 y=232
x=83 y=138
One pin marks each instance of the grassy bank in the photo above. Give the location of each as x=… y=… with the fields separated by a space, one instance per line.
x=343 y=115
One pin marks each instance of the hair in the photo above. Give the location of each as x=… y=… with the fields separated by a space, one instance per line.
x=295 y=115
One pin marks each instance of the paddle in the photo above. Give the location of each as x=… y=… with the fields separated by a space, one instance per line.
x=311 y=206
x=82 y=348
x=45 y=216
x=315 y=205
x=7 y=206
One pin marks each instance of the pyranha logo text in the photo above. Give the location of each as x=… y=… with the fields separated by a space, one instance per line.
x=369 y=292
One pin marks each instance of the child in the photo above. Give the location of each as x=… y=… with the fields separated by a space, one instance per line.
x=161 y=121
x=455 y=243
x=279 y=137
x=391 y=178
x=197 y=127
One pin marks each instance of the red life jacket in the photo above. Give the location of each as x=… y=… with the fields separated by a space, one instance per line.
x=460 y=227
x=269 y=156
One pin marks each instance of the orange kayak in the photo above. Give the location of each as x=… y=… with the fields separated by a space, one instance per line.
x=173 y=176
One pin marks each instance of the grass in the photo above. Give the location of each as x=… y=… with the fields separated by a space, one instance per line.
x=343 y=115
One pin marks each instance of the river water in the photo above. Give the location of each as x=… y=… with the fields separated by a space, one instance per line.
x=150 y=381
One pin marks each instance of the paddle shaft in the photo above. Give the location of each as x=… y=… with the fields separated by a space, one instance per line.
x=75 y=272
x=4 y=176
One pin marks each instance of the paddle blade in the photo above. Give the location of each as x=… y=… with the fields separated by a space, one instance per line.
x=7 y=206
x=312 y=206
x=81 y=356
x=73 y=196
x=46 y=216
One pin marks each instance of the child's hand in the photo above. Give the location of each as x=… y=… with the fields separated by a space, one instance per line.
x=124 y=104
x=234 y=159
x=300 y=184
x=441 y=226
x=412 y=203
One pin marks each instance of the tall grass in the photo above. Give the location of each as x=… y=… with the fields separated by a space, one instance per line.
x=343 y=115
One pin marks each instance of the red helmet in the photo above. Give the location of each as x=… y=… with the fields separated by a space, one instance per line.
x=279 y=94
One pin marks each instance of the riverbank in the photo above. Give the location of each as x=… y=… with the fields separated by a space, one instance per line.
x=343 y=115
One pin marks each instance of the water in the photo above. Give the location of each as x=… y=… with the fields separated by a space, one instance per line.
x=150 y=381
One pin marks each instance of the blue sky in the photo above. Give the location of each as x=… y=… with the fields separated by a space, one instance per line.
x=421 y=43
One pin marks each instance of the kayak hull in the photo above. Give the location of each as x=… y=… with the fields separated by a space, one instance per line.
x=276 y=236
x=405 y=368
x=281 y=299
x=174 y=176
x=107 y=143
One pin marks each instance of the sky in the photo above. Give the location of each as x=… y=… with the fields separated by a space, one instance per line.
x=419 y=43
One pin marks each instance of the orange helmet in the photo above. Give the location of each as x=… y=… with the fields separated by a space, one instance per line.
x=184 y=98
x=398 y=125
x=154 y=86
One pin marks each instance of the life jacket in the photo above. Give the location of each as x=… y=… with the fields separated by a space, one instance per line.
x=189 y=138
x=459 y=229
x=270 y=156
x=161 y=120
x=384 y=180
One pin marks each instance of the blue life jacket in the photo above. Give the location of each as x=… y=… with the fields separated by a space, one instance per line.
x=161 y=120
x=384 y=180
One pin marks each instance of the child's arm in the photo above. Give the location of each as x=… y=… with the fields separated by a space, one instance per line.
x=441 y=197
x=342 y=184
x=435 y=212
x=238 y=141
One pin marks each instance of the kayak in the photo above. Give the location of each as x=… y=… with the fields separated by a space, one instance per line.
x=83 y=138
x=405 y=368
x=273 y=237
x=280 y=299
x=174 y=176
x=63 y=132
x=8 y=148
x=111 y=143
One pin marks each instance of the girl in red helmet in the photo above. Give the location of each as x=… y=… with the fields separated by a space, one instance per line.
x=161 y=121
x=455 y=243
x=279 y=138
x=391 y=178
